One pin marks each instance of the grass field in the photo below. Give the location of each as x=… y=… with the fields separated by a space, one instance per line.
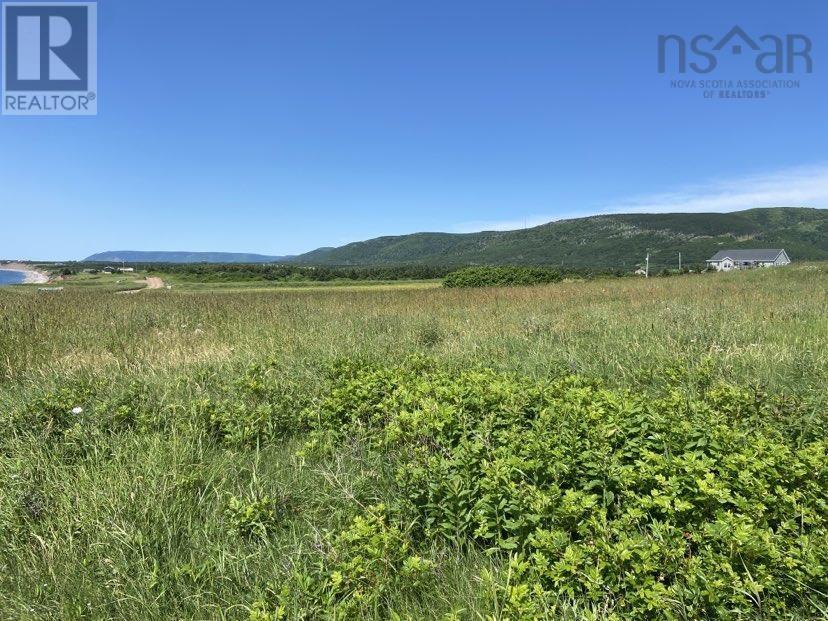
x=619 y=448
x=259 y=286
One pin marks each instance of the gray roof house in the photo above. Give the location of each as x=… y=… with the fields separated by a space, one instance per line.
x=726 y=260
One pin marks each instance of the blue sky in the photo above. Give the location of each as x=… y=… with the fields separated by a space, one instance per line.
x=278 y=127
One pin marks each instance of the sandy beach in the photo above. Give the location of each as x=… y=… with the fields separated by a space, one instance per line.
x=31 y=275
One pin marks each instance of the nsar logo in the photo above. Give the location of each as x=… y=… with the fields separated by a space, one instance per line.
x=771 y=53
x=50 y=63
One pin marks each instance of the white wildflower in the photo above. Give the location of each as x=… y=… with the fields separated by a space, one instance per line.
x=77 y=410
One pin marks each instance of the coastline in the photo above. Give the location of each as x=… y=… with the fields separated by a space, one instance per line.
x=31 y=276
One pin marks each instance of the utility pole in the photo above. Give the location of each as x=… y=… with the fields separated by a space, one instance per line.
x=647 y=273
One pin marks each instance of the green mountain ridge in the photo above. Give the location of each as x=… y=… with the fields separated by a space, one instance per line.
x=604 y=241
x=143 y=256
x=618 y=241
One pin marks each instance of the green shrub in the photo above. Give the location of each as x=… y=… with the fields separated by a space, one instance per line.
x=258 y=406
x=52 y=411
x=708 y=507
x=362 y=565
x=501 y=277
x=256 y=514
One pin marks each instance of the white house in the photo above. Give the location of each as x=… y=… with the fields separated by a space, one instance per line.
x=726 y=260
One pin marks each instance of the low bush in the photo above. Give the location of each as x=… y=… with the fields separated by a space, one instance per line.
x=361 y=565
x=696 y=500
x=501 y=277
x=258 y=406
x=712 y=507
x=256 y=515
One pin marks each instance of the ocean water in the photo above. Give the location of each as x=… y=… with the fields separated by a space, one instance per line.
x=9 y=277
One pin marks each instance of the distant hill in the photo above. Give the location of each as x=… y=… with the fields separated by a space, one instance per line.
x=139 y=256
x=621 y=241
x=613 y=241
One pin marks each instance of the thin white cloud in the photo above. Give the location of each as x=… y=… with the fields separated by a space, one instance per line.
x=805 y=186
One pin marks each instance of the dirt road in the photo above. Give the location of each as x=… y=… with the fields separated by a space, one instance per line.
x=152 y=282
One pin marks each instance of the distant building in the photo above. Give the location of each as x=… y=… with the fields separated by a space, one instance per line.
x=726 y=260
x=127 y=269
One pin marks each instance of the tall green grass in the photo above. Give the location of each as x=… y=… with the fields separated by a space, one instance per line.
x=186 y=487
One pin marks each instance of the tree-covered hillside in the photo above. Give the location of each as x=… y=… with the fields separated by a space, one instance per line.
x=617 y=241
x=599 y=242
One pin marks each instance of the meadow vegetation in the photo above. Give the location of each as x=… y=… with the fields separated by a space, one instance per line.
x=235 y=272
x=507 y=276
x=614 y=448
